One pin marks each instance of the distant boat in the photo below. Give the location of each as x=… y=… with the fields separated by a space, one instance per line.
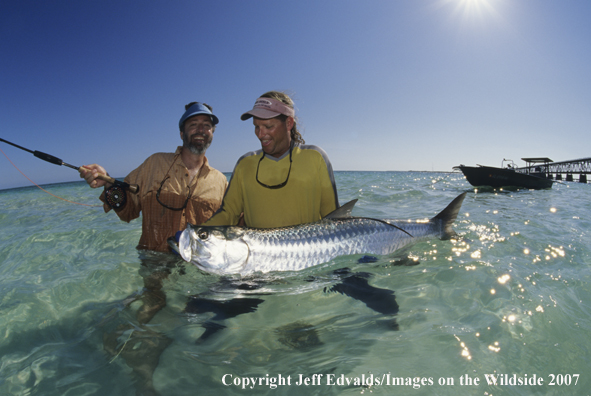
x=534 y=176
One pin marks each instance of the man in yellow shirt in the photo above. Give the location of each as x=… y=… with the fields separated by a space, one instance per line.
x=285 y=182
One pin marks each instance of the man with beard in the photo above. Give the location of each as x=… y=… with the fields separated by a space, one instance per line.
x=174 y=188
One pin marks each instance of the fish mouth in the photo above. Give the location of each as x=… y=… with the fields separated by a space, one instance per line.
x=185 y=245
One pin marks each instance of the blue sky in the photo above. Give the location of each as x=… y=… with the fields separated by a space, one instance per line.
x=380 y=85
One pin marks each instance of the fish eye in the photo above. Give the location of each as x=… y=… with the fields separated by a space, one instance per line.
x=203 y=234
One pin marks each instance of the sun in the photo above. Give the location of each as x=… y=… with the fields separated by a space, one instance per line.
x=475 y=4
x=475 y=8
x=472 y=13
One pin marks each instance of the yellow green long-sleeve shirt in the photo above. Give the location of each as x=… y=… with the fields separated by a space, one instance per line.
x=309 y=195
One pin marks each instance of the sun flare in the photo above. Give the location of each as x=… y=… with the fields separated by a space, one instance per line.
x=475 y=8
x=470 y=10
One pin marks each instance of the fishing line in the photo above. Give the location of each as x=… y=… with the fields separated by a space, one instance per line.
x=41 y=188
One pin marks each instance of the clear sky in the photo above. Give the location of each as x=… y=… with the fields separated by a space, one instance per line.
x=379 y=85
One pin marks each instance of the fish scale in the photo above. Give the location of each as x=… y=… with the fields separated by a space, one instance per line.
x=230 y=249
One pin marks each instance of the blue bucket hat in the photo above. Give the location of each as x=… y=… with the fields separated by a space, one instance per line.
x=196 y=109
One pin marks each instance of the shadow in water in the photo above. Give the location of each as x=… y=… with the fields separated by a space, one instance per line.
x=351 y=284
x=222 y=310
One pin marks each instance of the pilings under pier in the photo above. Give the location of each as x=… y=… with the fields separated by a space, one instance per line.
x=564 y=170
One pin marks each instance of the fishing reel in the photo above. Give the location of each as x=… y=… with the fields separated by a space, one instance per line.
x=116 y=196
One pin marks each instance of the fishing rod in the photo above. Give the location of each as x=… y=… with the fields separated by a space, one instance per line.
x=58 y=161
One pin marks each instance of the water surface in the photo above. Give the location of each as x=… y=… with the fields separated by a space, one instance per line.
x=511 y=296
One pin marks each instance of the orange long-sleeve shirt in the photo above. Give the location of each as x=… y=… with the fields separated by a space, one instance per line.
x=158 y=222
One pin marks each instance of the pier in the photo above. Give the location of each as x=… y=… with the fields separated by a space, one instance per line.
x=564 y=170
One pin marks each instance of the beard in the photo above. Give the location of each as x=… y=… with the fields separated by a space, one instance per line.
x=196 y=146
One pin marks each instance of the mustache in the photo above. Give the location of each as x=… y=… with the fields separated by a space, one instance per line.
x=195 y=136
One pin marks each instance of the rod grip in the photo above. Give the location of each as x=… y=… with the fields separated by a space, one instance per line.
x=131 y=187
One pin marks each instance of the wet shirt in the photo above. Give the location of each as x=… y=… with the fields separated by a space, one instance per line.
x=166 y=172
x=309 y=194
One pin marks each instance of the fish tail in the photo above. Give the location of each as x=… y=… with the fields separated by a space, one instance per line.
x=448 y=215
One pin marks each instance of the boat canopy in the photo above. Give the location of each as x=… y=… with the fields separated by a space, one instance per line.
x=537 y=160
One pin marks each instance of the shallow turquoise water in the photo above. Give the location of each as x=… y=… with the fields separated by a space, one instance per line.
x=512 y=296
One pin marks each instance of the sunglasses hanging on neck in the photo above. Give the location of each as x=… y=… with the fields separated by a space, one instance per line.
x=276 y=186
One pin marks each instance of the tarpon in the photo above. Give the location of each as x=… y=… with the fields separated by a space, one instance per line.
x=242 y=250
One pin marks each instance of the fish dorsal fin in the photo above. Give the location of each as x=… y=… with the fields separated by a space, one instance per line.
x=343 y=212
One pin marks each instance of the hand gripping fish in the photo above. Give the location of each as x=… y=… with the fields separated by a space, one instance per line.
x=242 y=250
